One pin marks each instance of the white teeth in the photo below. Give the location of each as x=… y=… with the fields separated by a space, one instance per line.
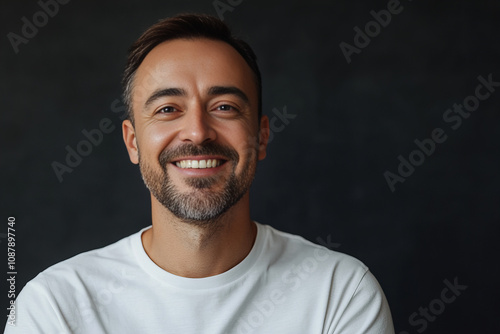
x=210 y=163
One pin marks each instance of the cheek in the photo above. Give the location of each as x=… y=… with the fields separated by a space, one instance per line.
x=245 y=142
x=154 y=139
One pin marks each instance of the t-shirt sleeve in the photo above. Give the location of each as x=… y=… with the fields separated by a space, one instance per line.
x=367 y=312
x=36 y=311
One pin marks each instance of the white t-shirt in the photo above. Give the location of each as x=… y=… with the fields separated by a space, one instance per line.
x=286 y=284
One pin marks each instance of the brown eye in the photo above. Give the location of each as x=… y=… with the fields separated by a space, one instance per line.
x=226 y=107
x=167 y=110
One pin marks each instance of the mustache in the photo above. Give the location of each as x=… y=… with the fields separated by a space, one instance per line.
x=169 y=155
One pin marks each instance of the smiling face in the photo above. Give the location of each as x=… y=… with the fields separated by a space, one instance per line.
x=196 y=132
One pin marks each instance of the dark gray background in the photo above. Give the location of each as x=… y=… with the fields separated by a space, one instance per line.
x=324 y=172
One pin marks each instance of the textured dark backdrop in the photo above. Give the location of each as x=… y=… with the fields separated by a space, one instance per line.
x=324 y=174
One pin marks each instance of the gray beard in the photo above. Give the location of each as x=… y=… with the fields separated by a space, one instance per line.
x=201 y=205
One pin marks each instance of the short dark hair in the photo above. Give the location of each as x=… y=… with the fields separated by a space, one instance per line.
x=184 y=26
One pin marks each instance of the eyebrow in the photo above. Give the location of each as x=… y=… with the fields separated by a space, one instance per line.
x=164 y=92
x=231 y=90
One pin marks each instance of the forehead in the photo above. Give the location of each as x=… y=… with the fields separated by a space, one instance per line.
x=194 y=65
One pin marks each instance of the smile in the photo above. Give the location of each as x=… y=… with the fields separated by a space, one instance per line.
x=209 y=163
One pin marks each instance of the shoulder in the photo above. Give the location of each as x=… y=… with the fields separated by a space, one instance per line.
x=88 y=268
x=95 y=259
x=46 y=304
x=58 y=298
x=339 y=285
x=292 y=248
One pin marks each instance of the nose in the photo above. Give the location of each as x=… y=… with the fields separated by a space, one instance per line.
x=197 y=127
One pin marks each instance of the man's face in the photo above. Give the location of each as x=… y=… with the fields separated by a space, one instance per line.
x=196 y=131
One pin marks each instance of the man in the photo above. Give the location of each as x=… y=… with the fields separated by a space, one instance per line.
x=197 y=131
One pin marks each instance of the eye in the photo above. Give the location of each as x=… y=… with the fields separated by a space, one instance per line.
x=166 y=110
x=226 y=107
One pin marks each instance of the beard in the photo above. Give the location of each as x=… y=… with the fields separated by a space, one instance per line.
x=200 y=204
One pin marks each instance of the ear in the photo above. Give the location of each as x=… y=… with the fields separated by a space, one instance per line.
x=263 y=136
x=130 y=141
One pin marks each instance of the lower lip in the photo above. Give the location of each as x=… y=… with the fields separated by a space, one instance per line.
x=199 y=171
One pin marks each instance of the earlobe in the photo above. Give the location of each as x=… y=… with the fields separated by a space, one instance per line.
x=263 y=136
x=130 y=141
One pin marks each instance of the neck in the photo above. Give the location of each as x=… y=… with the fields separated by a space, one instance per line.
x=200 y=249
